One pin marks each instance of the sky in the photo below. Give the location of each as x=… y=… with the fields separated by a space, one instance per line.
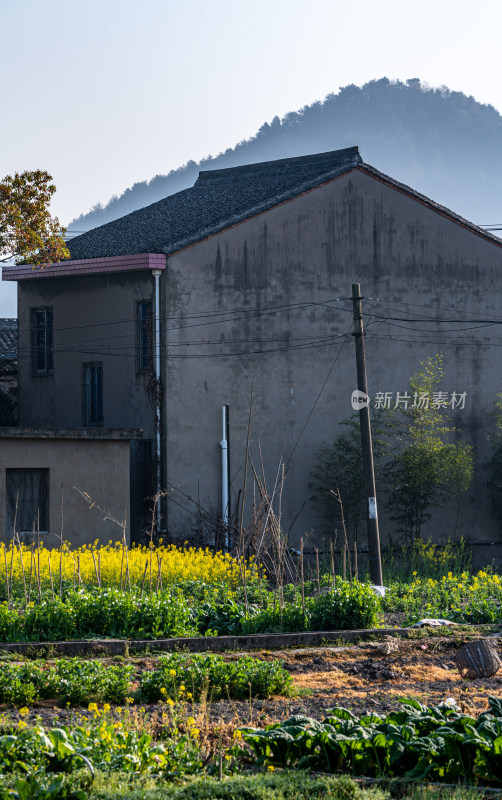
x=104 y=93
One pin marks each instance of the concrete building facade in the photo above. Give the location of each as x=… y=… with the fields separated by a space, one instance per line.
x=45 y=475
x=253 y=270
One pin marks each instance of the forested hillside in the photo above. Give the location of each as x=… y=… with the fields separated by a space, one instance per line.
x=442 y=143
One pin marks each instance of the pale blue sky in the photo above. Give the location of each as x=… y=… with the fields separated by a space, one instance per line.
x=104 y=93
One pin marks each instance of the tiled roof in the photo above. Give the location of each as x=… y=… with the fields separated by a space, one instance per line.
x=8 y=339
x=225 y=197
x=218 y=199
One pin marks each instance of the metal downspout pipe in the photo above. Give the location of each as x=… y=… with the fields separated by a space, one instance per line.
x=156 y=274
x=224 y=476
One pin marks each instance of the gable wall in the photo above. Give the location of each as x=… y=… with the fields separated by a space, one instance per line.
x=311 y=250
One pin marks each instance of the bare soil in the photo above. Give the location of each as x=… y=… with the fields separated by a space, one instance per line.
x=370 y=677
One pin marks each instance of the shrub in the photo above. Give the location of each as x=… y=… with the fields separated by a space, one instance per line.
x=347 y=606
x=271 y=619
x=181 y=675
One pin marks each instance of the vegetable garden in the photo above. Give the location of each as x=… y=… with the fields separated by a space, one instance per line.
x=101 y=727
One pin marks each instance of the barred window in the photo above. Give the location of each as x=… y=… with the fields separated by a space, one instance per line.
x=92 y=394
x=42 y=348
x=144 y=335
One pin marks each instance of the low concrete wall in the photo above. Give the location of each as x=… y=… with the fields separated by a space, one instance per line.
x=211 y=644
x=97 y=466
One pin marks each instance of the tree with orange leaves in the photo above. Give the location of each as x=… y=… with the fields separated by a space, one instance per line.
x=28 y=232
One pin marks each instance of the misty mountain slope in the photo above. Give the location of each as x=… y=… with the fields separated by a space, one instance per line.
x=442 y=143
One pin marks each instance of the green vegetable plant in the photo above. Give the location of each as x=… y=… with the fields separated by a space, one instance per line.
x=180 y=675
x=437 y=744
x=72 y=681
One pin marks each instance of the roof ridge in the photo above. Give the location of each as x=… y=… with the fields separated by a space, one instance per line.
x=304 y=185
x=349 y=155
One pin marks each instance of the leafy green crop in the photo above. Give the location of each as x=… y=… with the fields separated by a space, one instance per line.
x=211 y=674
x=417 y=743
x=187 y=611
x=73 y=681
x=464 y=598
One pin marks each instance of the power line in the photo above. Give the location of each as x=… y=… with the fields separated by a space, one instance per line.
x=256 y=311
x=315 y=402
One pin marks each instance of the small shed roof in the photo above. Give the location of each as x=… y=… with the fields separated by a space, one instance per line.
x=8 y=339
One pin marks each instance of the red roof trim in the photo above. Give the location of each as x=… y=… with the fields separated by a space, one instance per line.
x=88 y=266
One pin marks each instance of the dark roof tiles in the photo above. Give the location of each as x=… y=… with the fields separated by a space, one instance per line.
x=218 y=199
x=8 y=339
x=224 y=197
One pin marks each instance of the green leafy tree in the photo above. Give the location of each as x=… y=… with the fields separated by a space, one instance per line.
x=339 y=467
x=495 y=466
x=28 y=232
x=428 y=471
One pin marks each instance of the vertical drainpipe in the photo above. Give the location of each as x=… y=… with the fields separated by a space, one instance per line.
x=156 y=274
x=224 y=476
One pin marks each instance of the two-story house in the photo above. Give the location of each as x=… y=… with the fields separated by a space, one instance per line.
x=166 y=315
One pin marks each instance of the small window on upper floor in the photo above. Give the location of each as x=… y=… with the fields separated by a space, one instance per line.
x=41 y=345
x=92 y=394
x=144 y=335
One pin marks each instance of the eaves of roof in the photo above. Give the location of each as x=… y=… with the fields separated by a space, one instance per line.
x=219 y=200
x=426 y=201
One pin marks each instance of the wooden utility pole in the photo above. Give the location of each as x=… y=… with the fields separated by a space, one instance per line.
x=366 y=445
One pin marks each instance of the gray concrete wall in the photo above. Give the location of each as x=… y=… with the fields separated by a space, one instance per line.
x=100 y=468
x=409 y=260
x=274 y=280
x=94 y=320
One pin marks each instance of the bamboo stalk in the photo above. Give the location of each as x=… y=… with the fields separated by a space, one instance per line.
x=302 y=583
x=356 y=573
x=143 y=581
x=61 y=545
x=6 y=575
x=38 y=557
x=241 y=520
x=22 y=570
x=121 y=566
x=32 y=559
x=159 y=567
x=13 y=539
x=96 y=569
x=332 y=562
x=344 y=562
x=31 y=569
x=50 y=575
x=317 y=570
x=124 y=529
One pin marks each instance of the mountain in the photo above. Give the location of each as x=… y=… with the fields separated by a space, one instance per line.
x=442 y=143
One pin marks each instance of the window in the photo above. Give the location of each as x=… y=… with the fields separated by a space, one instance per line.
x=92 y=394
x=42 y=358
x=144 y=336
x=27 y=500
